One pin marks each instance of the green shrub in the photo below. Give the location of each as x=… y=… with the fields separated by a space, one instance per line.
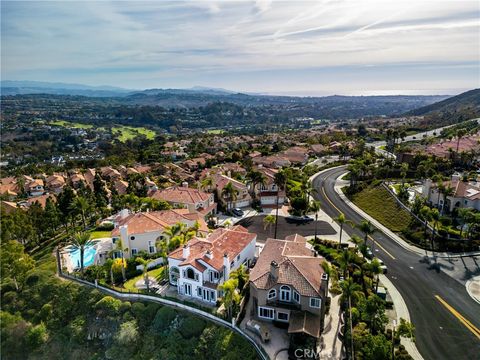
x=163 y=318
x=191 y=326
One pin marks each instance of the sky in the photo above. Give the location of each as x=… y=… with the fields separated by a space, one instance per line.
x=277 y=47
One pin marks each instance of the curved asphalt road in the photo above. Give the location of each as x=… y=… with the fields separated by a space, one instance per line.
x=439 y=333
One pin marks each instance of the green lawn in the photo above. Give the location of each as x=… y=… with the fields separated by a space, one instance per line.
x=70 y=124
x=125 y=133
x=378 y=203
x=215 y=131
x=100 y=234
x=155 y=273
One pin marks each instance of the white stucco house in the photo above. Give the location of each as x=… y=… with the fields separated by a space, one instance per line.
x=202 y=264
x=140 y=231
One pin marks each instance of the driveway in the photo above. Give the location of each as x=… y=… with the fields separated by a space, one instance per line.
x=255 y=224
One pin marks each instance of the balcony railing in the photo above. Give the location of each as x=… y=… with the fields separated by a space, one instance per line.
x=284 y=304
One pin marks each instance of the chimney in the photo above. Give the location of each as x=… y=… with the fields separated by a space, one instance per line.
x=209 y=254
x=124 y=236
x=186 y=251
x=274 y=270
x=226 y=265
x=185 y=184
x=123 y=213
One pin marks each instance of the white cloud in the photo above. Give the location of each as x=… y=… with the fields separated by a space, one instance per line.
x=180 y=40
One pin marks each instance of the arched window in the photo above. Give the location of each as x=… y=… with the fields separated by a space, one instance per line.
x=272 y=294
x=190 y=273
x=285 y=293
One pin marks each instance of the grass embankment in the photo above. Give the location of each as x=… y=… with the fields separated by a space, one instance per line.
x=378 y=203
x=215 y=131
x=158 y=274
x=124 y=133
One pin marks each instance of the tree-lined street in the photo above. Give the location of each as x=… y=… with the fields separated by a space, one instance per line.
x=446 y=318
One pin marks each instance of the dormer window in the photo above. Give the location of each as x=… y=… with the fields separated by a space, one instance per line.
x=296 y=296
x=272 y=294
x=285 y=293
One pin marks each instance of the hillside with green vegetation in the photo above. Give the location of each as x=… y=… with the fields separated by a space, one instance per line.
x=455 y=109
x=378 y=203
x=44 y=317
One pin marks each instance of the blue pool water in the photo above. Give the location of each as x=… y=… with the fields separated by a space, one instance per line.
x=88 y=257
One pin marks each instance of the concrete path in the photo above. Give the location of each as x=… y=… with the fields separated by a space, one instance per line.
x=332 y=345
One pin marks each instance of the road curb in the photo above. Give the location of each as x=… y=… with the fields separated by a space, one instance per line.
x=469 y=282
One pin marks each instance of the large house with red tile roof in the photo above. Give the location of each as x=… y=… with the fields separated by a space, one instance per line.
x=465 y=194
x=243 y=198
x=192 y=199
x=288 y=284
x=202 y=264
x=268 y=192
x=140 y=231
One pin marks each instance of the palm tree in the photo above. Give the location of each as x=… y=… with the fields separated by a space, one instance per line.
x=229 y=295
x=207 y=183
x=460 y=133
x=145 y=263
x=342 y=221
x=119 y=248
x=81 y=206
x=465 y=214
x=80 y=241
x=315 y=207
x=345 y=258
x=440 y=190
x=375 y=268
x=173 y=230
x=435 y=214
x=357 y=240
x=448 y=191
x=350 y=290
x=367 y=228
x=403 y=172
x=256 y=178
x=231 y=193
x=268 y=222
x=241 y=276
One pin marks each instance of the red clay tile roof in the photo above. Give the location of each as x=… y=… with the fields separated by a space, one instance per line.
x=181 y=195
x=144 y=222
x=298 y=266
x=221 y=241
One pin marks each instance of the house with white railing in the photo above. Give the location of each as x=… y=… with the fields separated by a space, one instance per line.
x=203 y=264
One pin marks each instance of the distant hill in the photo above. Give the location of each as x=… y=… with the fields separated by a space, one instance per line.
x=455 y=109
x=467 y=99
x=9 y=87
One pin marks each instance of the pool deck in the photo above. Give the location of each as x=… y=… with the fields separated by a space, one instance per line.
x=102 y=246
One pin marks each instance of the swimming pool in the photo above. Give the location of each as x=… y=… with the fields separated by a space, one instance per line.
x=88 y=257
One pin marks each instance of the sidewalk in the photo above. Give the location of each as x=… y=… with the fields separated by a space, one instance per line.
x=332 y=345
x=402 y=312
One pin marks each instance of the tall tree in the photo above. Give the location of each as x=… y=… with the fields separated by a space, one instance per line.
x=315 y=207
x=231 y=193
x=80 y=241
x=367 y=228
x=268 y=222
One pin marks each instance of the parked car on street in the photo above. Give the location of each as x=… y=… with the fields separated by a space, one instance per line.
x=237 y=212
x=298 y=219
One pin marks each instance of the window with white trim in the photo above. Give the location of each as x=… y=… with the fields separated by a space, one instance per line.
x=315 y=302
x=272 y=294
x=151 y=248
x=285 y=293
x=296 y=296
x=282 y=316
x=266 y=313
